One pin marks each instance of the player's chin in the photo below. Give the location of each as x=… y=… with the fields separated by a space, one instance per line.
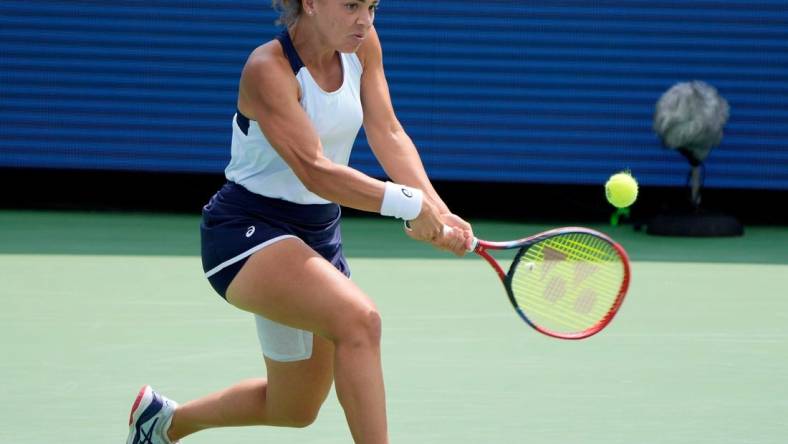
x=352 y=44
x=349 y=49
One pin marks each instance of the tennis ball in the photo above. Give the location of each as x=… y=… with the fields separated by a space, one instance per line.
x=621 y=190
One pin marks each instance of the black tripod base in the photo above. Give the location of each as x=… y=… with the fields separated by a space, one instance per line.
x=695 y=223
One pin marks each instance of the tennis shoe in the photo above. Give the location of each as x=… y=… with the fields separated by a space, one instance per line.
x=150 y=418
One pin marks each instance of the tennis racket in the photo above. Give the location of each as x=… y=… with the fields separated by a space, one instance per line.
x=567 y=283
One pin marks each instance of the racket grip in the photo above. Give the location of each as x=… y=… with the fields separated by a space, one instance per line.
x=447 y=231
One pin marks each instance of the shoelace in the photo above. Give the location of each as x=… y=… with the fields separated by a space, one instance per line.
x=147 y=438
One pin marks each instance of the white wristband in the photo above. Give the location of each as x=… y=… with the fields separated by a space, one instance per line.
x=401 y=201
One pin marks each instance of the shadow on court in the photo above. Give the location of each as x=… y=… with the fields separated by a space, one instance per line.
x=51 y=232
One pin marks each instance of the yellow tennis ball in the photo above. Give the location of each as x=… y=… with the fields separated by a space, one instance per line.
x=621 y=190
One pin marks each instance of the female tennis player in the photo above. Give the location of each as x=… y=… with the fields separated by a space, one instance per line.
x=270 y=236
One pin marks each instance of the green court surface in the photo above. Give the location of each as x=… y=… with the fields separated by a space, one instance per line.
x=96 y=305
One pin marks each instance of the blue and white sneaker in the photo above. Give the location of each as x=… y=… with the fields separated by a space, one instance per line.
x=150 y=418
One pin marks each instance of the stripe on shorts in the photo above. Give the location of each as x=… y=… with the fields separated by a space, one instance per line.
x=245 y=254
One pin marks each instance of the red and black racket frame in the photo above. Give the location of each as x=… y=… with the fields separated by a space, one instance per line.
x=481 y=248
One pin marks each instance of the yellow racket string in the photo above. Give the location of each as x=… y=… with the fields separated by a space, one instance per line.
x=568 y=283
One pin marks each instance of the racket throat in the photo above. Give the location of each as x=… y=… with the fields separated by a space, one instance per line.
x=501 y=274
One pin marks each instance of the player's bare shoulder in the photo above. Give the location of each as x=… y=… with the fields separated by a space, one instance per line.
x=267 y=73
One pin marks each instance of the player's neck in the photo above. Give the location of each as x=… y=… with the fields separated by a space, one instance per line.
x=311 y=48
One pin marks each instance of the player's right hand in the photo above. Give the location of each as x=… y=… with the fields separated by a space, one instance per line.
x=430 y=227
x=427 y=226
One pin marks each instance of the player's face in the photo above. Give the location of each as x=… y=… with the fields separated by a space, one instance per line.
x=345 y=23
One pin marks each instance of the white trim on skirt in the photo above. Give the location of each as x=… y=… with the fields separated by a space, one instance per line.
x=246 y=254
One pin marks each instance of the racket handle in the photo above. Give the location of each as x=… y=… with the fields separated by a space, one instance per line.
x=447 y=231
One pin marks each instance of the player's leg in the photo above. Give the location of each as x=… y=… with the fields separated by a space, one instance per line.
x=290 y=396
x=287 y=282
x=291 y=284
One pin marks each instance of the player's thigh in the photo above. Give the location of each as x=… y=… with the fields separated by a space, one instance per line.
x=289 y=283
x=297 y=389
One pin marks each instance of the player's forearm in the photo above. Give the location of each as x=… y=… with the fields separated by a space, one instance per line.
x=343 y=185
x=401 y=161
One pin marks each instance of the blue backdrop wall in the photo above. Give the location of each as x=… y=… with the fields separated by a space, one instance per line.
x=537 y=91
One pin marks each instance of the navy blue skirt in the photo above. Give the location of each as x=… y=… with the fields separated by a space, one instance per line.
x=237 y=223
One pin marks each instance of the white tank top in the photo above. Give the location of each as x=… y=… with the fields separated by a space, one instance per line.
x=337 y=116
